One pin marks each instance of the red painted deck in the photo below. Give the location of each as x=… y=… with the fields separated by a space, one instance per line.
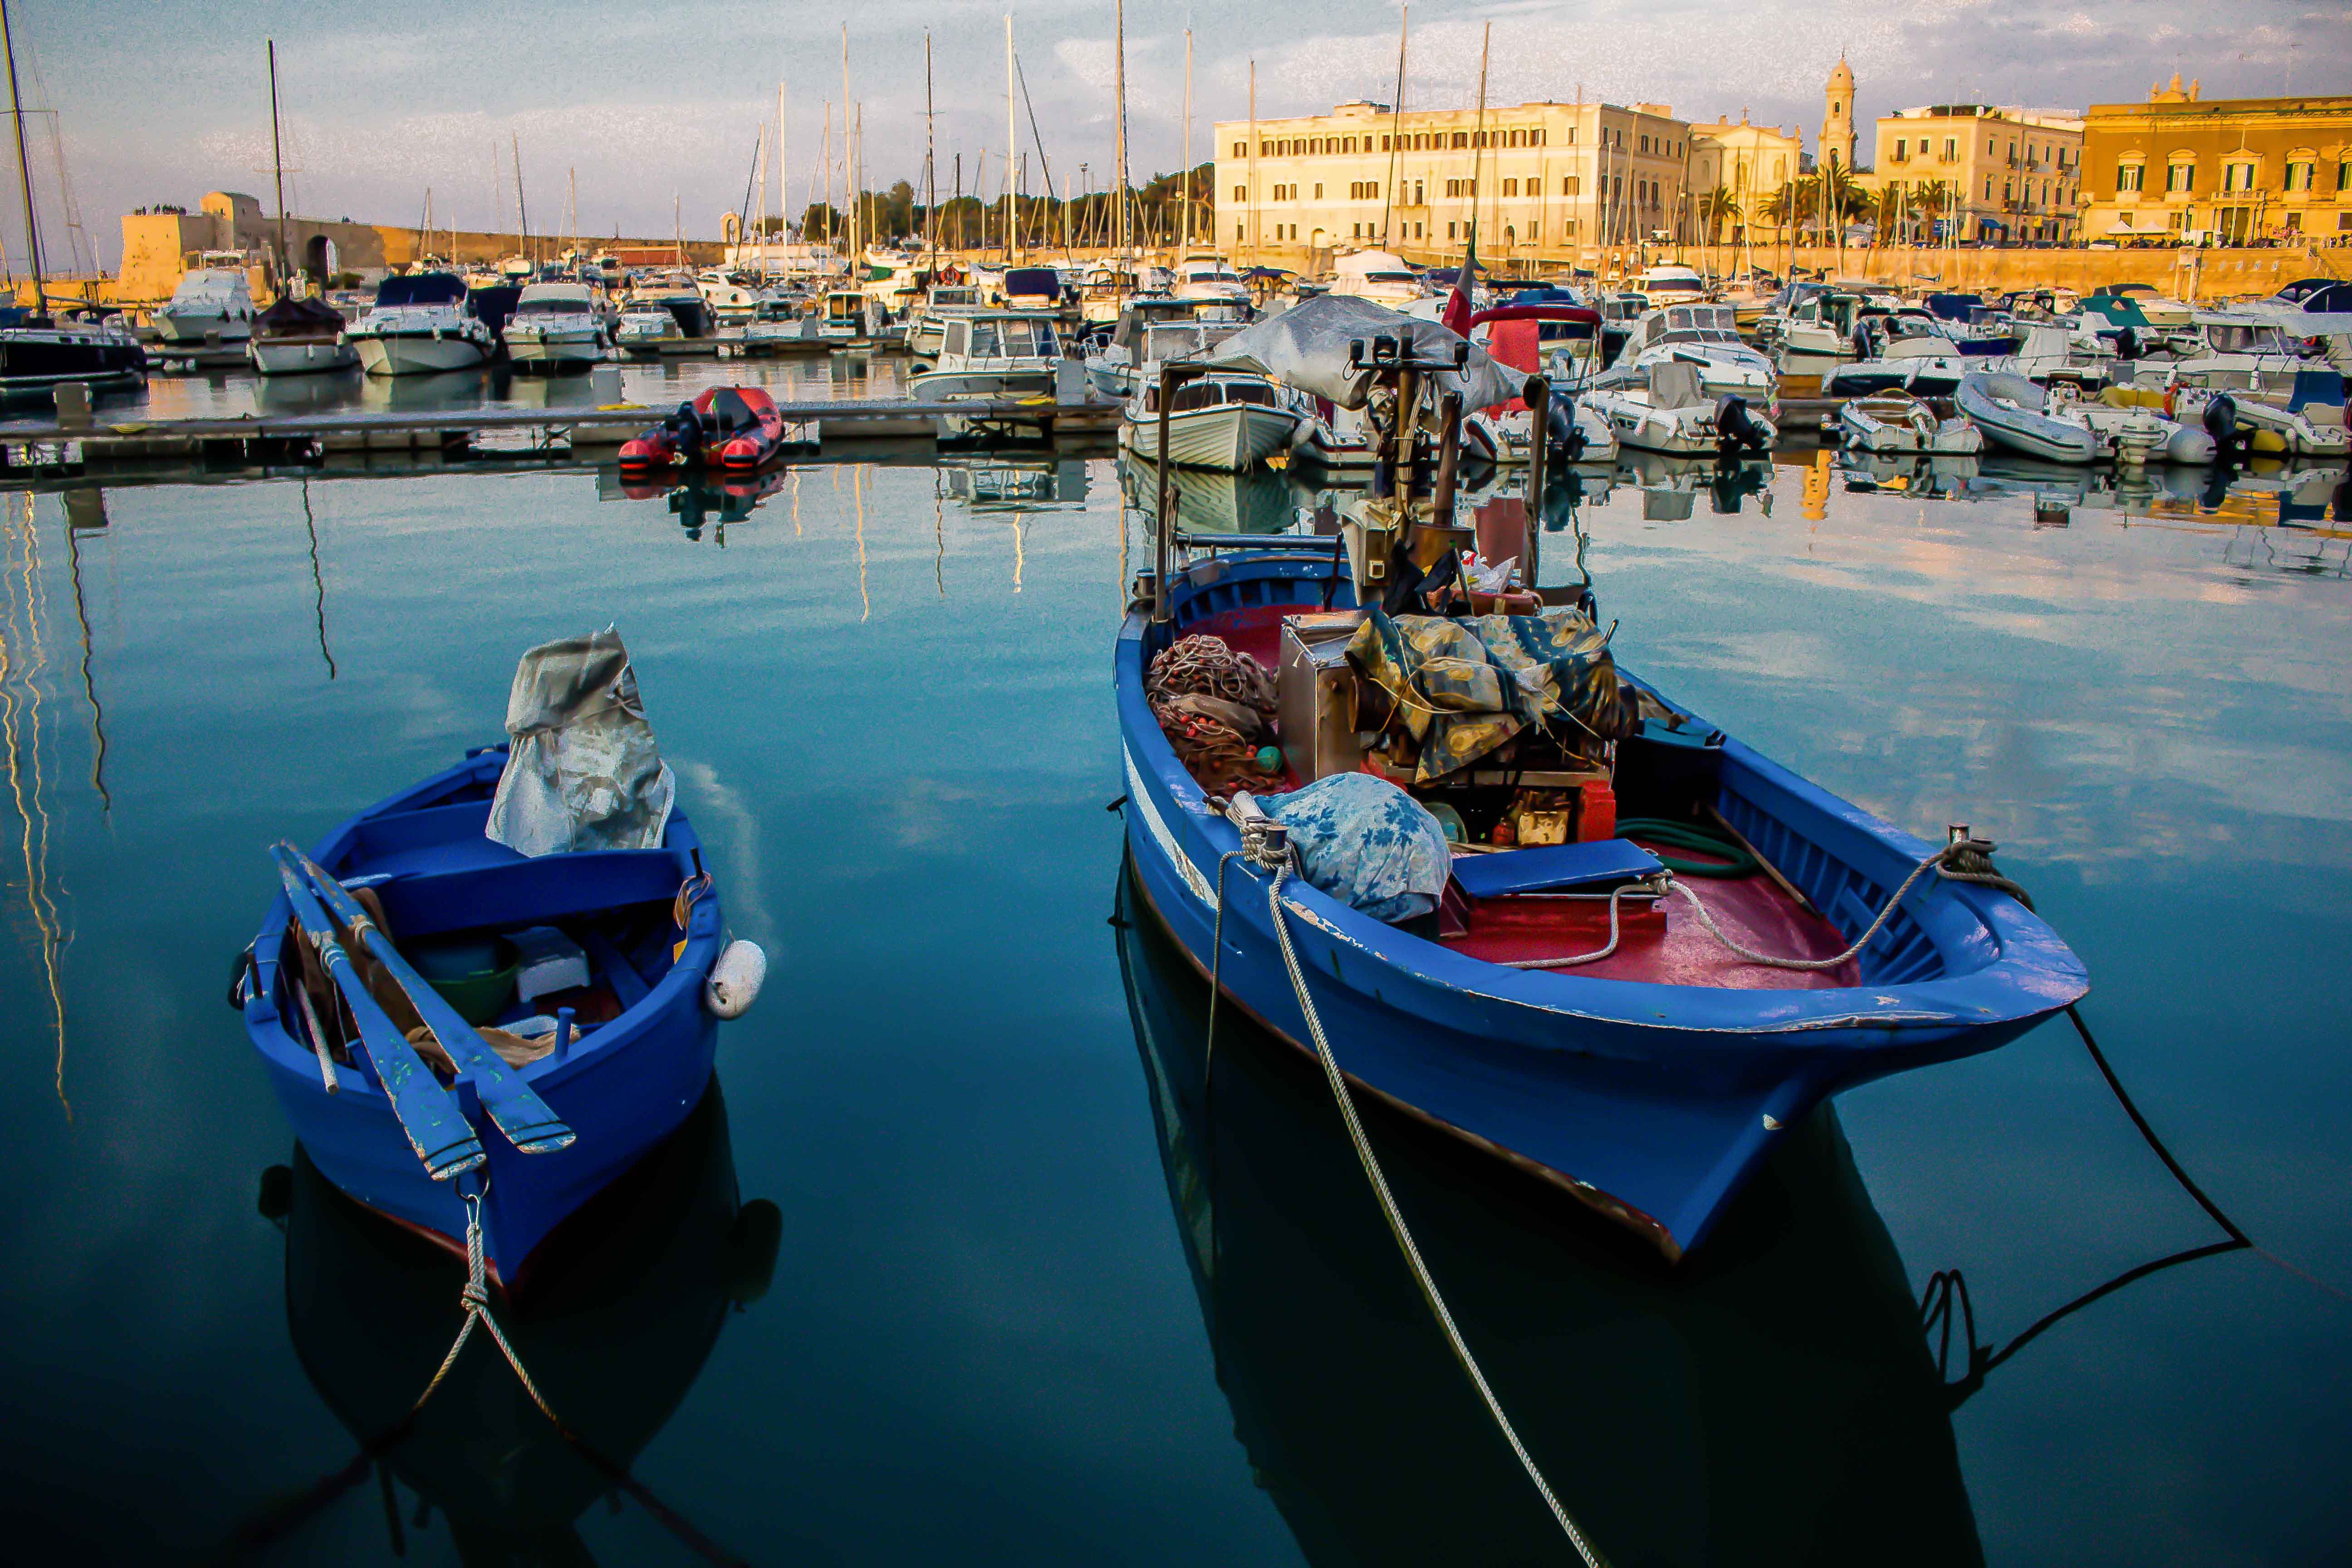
x=1662 y=944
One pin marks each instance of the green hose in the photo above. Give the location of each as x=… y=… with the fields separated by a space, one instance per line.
x=1737 y=861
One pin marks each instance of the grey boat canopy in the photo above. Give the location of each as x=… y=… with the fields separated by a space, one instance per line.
x=1308 y=347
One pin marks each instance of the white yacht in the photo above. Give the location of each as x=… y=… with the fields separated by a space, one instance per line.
x=1668 y=284
x=927 y=327
x=998 y=354
x=852 y=319
x=417 y=325
x=1227 y=420
x=1378 y=276
x=731 y=303
x=1211 y=277
x=780 y=325
x=1706 y=337
x=646 y=326
x=555 y=326
x=299 y=337
x=1664 y=406
x=212 y=304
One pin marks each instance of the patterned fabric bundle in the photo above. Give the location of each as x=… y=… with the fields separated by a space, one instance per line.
x=1368 y=844
x=1463 y=688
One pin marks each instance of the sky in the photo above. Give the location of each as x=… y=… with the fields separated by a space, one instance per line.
x=656 y=108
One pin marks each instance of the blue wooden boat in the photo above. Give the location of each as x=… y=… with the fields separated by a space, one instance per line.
x=1648 y=1086
x=620 y=1086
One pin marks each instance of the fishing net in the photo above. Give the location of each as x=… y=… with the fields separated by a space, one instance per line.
x=1215 y=706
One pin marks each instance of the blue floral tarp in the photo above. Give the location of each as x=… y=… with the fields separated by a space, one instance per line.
x=1367 y=843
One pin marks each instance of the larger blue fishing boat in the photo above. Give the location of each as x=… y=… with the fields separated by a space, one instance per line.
x=1635 y=1022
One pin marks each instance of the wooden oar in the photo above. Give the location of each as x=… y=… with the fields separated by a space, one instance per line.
x=516 y=1108
x=426 y=1112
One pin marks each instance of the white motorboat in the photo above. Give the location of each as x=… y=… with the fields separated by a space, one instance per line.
x=1669 y=284
x=1209 y=278
x=1706 y=339
x=211 y=305
x=2222 y=349
x=1818 y=326
x=555 y=326
x=299 y=337
x=2058 y=425
x=646 y=328
x=1378 y=276
x=1665 y=407
x=1502 y=434
x=1109 y=289
x=2053 y=352
x=994 y=355
x=1227 y=420
x=676 y=293
x=852 y=319
x=2298 y=415
x=1148 y=333
x=781 y=326
x=418 y=325
x=732 y=302
x=927 y=326
x=1897 y=422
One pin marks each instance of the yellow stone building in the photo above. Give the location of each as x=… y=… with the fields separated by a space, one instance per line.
x=1546 y=182
x=1998 y=172
x=1749 y=163
x=2179 y=168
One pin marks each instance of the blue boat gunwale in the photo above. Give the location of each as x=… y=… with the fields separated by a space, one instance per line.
x=2028 y=972
x=482 y=766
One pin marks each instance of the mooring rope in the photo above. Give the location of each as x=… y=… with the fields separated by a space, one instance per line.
x=1403 y=1235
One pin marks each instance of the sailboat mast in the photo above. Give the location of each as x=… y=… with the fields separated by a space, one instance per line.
x=522 y=214
x=1478 y=153
x=783 y=172
x=1125 y=235
x=1257 y=225
x=931 y=165
x=826 y=158
x=23 y=170
x=277 y=163
x=1187 y=176
x=1389 y=194
x=848 y=181
x=1011 y=140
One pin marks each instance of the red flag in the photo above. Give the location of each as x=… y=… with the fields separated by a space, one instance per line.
x=1455 y=317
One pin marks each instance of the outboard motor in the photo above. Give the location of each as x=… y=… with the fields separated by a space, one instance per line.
x=2221 y=423
x=1562 y=431
x=1735 y=430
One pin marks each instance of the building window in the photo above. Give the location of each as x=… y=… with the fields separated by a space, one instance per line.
x=2344 y=177
x=2298 y=177
x=1241 y=148
x=1449 y=231
x=1241 y=196
x=1536 y=137
x=1265 y=148
x=1645 y=143
x=2128 y=176
x=1418 y=199
x=1239 y=233
x=1571 y=136
x=1568 y=230
x=1951 y=148
x=2238 y=176
x=2180 y=178
x=1462 y=139
x=1902 y=149
x=1319 y=190
x=1988 y=187
x=1384 y=143
x=1510 y=188
x=1570 y=185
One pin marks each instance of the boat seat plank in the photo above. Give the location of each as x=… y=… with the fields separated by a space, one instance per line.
x=1541 y=867
x=521 y=892
x=614 y=967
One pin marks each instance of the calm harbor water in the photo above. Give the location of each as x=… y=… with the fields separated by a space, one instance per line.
x=1035 y=1299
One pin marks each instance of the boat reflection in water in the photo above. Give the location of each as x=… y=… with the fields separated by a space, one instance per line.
x=1906 y=473
x=1670 y=485
x=1773 y=1400
x=697 y=498
x=1007 y=481
x=624 y=1304
x=1256 y=501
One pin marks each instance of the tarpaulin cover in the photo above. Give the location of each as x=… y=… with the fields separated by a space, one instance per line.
x=583 y=772
x=1306 y=347
x=1463 y=688
x=290 y=317
x=1367 y=843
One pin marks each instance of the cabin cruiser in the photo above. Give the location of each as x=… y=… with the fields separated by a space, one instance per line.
x=2223 y=348
x=419 y=325
x=41 y=354
x=1109 y=290
x=678 y=293
x=2300 y=414
x=730 y=301
x=781 y=323
x=1148 y=333
x=994 y=355
x=299 y=337
x=2058 y=425
x=213 y=305
x=852 y=319
x=1209 y=278
x=1378 y=276
x=1818 y=326
x=927 y=327
x=1706 y=337
x=1905 y=351
x=646 y=327
x=1664 y=406
x=1226 y=420
x=1898 y=422
x=1668 y=284
x=1031 y=288
x=2053 y=352
x=555 y=326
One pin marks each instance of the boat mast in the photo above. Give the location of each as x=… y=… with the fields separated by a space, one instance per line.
x=783 y=203
x=522 y=215
x=1396 y=125
x=826 y=157
x=849 y=187
x=1255 y=223
x=1186 y=178
x=930 y=167
x=277 y=164
x=1126 y=235
x=24 y=172
x=1012 y=139
x=1477 y=160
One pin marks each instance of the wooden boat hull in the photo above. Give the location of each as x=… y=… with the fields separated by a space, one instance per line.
x=623 y=1088
x=1650 y=1102
x=1229 y=437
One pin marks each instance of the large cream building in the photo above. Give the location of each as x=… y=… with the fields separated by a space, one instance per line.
x=1546 y=182
x=2002 y=173
x=2226 y=171
x=1747 y=163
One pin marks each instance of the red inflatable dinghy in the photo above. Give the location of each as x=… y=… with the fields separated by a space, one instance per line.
x=727 y=426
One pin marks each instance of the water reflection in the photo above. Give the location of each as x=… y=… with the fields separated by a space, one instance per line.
x=1772 y=1401
x=1260 y=500
x=614 y=1325
x=24 y=663
x=1913 y=474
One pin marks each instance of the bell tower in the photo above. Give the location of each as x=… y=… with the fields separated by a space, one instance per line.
x=1837 y=124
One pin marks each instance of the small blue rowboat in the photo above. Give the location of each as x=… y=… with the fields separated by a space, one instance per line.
x=535 y=1139
x=1649 y=1084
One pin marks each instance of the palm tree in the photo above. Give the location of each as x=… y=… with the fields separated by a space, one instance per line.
x=1713 y=206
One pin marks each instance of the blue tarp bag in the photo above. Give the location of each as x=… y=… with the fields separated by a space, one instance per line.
x=1367 y=843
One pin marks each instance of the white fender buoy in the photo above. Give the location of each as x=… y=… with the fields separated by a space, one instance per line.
x=735 y=980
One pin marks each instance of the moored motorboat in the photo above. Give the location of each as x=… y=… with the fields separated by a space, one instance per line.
x=1229 y=421
x=211 y=305
x=299 y=337
x=2058 y=425
x=571 y=932
x=1664 y=408
x=555 y=327
x=1520 y=336
x=1635 y=1033
x=420 y=324
x=1898 y=423
x=994 y=354
x=726 y=427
